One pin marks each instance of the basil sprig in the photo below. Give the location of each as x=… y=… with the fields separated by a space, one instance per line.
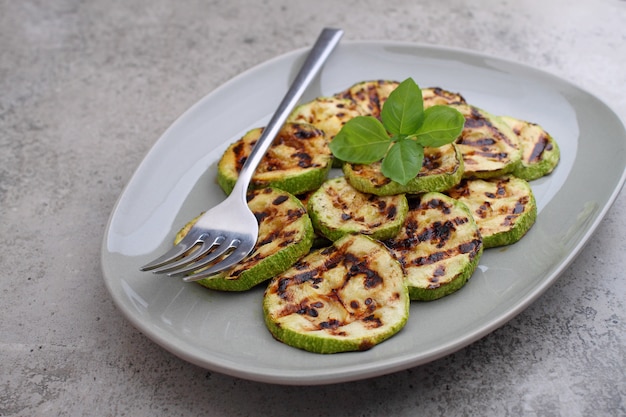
x=400 y=138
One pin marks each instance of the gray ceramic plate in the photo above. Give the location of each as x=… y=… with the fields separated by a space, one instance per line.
x=225 y=332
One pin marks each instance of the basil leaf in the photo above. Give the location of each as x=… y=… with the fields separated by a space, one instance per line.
x=441 y=125
x=403 y=161
x=362 y=140
x=402 y=112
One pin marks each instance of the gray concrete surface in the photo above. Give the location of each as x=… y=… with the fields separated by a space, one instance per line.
x=86 y=87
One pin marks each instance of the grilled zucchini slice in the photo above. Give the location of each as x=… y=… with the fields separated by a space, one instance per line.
x=285 y=235
x=442 y=168
x=326 y=113
x=439 y=246
x=540 y=152
x=337 y=209
x=370 y=96
x=489 y=146
x=298 y=161
x=504 y=208
x=347 y=297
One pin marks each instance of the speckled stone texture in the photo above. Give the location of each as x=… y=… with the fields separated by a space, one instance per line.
x=86 y=87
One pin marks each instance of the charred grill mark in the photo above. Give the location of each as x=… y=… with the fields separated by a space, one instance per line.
x=261 y=215
x=302 y=133
x=439 y=272
x=372 y=279
x=483 y=210
x=359 y=267
x=520 y=205
x=449 y=97
x=483 y=145
x=366 y=345
x=438 y=204
x=280 y=200
x=329 y=250
x=408 y=242
x=241 y=154
x=332 y=324
x=287 y=238
x=283 y=284
x=438 y=233
x=475 y=120
x=472 y=248
x=542 y=145
x=518 y=209
x=293 y=215
x=372 y=321
x=430 y=259
x=501 y=188
x=304 y=159
x=432 y=161
x=268 y=239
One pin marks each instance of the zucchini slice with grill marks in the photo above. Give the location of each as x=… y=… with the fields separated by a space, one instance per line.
x=489 y=146
x=326 y=113
x=337 y=209
x=442 y=168
x=285 y=235
x=439 y=246
x=347 y=297
x=298 y=161
x=370 y=96
x=540 y=152
x=504 y=208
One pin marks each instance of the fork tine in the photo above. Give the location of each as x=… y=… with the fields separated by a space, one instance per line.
x=205 y=247
x=201 y=262
x=235 y=257
x=174 y=253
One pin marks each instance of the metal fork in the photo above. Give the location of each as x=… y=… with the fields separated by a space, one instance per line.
x=227 y=233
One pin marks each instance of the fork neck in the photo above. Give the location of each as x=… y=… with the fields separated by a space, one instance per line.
x=324 y=45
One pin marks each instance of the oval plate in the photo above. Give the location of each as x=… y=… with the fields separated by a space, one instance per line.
x=225 y=332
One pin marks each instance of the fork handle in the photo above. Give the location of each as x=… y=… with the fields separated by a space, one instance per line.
x=324 y=45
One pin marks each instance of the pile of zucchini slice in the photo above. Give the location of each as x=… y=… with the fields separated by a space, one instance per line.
x=343 y=255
